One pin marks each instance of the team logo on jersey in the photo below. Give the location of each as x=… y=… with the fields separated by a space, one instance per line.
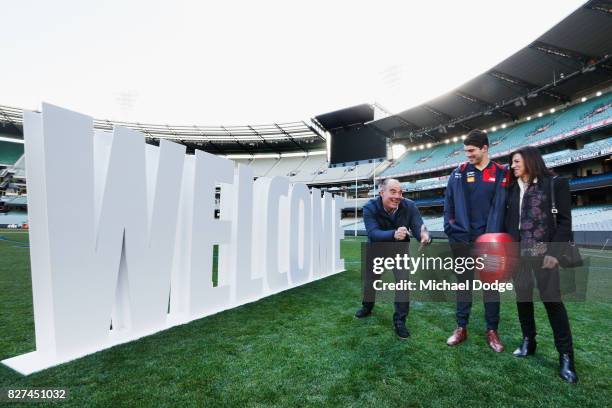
x=488 y=175
x=504 y=181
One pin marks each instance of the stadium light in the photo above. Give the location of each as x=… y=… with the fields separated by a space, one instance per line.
x=239 y=156
x=552 y=110
x=455 y=139
x=598 y=93
x=316 y=153
x=414 y=148
x=494 y=128
x=447 y=141
x=503 y=126
x=10 y=139
x=528 y=117
x=397 y=150
x=421 y=147
x=428 y=145
x=268 y=156
x=293 y=154
x=540 y=115
x=583 y=99
x=463 y=137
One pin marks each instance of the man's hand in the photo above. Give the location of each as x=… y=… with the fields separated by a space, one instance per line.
x=425 y=238
x=400 y=233
x=549 y=262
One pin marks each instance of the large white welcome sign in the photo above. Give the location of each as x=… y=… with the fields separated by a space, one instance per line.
x=122 y=236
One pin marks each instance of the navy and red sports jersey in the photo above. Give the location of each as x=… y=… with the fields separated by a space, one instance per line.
x=475 y=201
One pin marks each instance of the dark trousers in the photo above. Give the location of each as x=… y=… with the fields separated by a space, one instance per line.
x=550 y=293
x=402 y=303
x=464 y=297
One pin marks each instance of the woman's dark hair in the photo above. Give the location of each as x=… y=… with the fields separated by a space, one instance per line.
x=534 y=164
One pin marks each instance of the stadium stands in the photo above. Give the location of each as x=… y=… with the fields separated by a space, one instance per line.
x=311 y=169
x=537 y=131
x=594 y=218
x=286 y=166
x=15 y=200
x=351 y=225
x=14 y=217
x=591 y=218
x=351 y=202
x=261 y=167
x=590 y=150
x=307 y=170
x=591 y=181
x=10 y=152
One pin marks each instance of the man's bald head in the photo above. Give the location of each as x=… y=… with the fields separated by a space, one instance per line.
x=386 y=183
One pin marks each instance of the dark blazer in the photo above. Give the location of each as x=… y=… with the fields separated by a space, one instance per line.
x=562 y=232
x=380 y=226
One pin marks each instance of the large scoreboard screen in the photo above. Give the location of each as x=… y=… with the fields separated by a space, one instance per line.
x=354 y=143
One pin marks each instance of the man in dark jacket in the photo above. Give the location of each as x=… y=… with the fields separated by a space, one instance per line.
x=388 y=218
x=474 y=204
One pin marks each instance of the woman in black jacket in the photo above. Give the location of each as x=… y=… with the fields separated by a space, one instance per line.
x=530 y=221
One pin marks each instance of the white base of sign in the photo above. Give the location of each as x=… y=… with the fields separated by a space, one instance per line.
x=35 y=361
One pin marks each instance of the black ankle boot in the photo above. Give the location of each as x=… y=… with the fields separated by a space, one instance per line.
x=567 y=371
x=363 y=312
x=401 y=330
x=527 y=347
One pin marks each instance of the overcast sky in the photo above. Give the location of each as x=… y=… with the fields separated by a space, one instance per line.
x=254 y=62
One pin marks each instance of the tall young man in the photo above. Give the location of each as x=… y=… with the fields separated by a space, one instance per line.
x=474 y=204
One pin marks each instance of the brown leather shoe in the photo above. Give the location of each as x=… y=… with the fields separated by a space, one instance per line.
x=494 y=341
x=458 y=337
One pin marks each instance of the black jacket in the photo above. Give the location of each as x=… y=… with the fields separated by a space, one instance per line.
x=382 y=228
x=562 y=232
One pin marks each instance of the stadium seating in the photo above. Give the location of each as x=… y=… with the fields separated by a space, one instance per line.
x=426 y=184
x=311 y=169
x=600 y=147
x=261 y=167
x=528 y=132
x=591 y=218
x=352 y=225
x=15 y=200
x=437 y=201
x=592 y=179
x=351 y=202
x=307 y=170
x=286 y=166
x=10 y=152
x=14 y=217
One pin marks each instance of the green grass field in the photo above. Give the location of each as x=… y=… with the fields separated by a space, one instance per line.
x=303 y=347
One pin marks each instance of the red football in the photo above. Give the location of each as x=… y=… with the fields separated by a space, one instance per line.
x=498 y=254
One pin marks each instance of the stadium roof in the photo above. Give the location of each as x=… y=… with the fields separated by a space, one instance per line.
x=248 y=139
x=346 y=117
x=569 y=60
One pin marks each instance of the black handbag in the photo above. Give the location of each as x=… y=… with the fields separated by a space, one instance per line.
x=570 y=255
